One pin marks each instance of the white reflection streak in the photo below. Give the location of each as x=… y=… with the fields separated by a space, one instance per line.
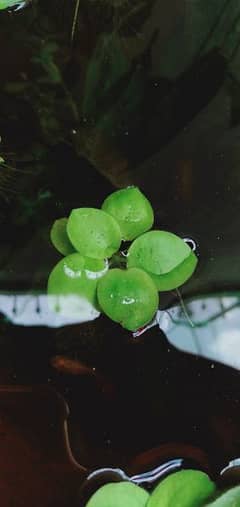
x=20 y=310
x=216 y=332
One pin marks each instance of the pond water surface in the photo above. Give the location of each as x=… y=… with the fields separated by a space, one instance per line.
x=142 y=94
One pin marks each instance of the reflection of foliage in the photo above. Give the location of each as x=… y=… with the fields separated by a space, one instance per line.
x=124 y=17
x=31 y=207
x=94 y=96
x=107 y=98
x=46 y=93
x=49 y=88
x=45 y=58
x=224 y=310
x=113 y=89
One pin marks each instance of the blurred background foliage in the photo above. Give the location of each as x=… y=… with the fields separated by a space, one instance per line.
x=130 y=65
x=104 y=96
x=123 y=70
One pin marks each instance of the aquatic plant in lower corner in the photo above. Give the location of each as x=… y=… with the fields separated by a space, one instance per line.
x=185 y=488
x=95 y=273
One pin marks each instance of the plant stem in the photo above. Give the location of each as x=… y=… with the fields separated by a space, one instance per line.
x=75 y=19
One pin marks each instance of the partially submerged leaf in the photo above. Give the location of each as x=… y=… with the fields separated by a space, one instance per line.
x=158 y=252
x=229 y=499
x=165 y=257
x=119 y=494
x=177 y=276
x=72 y=285
x=128 y=296
x=60 y=238
x=8 y=4
x=187 y=488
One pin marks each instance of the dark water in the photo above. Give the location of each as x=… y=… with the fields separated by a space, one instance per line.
x=148 y=96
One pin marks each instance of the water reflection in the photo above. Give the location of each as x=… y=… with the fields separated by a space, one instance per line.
x=212 y=329
x=208 y=326
x=38 y=309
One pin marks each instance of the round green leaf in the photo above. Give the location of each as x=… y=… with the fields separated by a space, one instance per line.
x=229 y=499
x=60 y=238
x=119 y=494
x=128 y=296
x=7 y=4
x=158 y=252
x=187 y=488
x=131 y=209
x=93 y=232
x=177 y=276
x=72 y=284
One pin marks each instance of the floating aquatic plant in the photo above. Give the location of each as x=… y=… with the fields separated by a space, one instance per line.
x=129 y=297
x=164 y=256
x=125 y=287
x=230 y=498
x=93 y=232
x=16 y=4
x=72 y=284
x=120 y=494
x=59 y=237
x=185 y=488
x=132 y=210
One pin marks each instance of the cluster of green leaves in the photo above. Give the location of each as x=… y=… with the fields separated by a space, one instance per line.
x=186 y=488
x=90 y=239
